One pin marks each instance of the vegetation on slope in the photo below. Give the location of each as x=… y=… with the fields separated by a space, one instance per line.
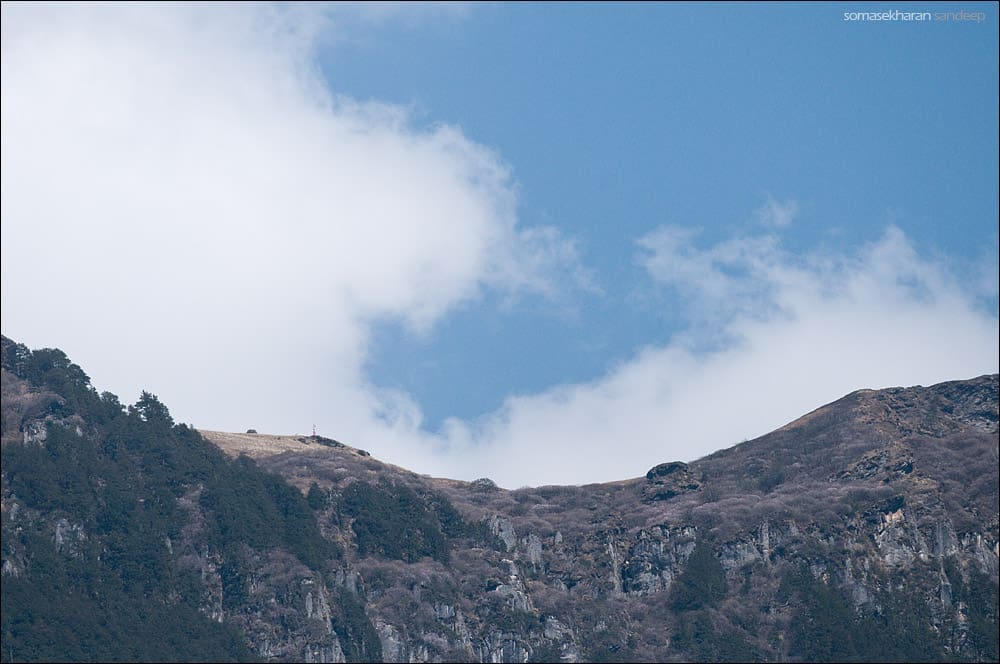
x=866 y=531
x=109 y=586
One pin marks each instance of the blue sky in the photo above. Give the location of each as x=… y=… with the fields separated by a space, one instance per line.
x=618 y=119
x=545 y=243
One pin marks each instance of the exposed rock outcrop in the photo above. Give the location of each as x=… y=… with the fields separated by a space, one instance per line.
x=668 y=480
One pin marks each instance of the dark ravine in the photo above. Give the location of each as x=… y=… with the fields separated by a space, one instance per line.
x=866 y=530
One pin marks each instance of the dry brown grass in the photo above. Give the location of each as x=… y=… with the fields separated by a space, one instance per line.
x=257 y=445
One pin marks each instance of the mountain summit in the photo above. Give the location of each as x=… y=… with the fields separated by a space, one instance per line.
x=865 y=530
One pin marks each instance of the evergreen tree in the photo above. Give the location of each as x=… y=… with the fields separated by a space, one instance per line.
x=702 y=583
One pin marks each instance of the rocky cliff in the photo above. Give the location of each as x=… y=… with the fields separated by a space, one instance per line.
x=867 y=529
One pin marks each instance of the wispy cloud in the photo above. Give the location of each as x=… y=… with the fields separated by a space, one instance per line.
x=776 y=214
x=734 y=277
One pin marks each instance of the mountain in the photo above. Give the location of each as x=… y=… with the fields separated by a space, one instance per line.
x=866 y=530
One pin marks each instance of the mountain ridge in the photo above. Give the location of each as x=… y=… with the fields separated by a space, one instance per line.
x=266 y=444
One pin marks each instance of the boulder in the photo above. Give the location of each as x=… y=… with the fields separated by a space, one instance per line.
x=667 y=480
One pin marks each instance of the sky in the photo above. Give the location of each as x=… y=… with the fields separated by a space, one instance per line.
x=543 y=243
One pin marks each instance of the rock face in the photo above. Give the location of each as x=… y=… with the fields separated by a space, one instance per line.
x=667 y=480
x=880 y=508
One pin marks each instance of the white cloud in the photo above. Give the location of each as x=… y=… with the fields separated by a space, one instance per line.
x=187 y=208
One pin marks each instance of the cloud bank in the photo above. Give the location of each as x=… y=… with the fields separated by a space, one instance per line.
x=795 y=332
x=187 y=208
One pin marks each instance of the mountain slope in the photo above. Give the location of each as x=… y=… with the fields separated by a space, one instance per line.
x=867 y=529
x=875 y=491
